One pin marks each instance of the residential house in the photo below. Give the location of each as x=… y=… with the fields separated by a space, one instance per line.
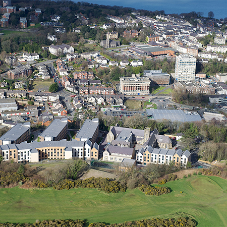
x=61 y=49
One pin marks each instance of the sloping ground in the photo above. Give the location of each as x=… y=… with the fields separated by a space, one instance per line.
x=97 y=173
x=200 y=197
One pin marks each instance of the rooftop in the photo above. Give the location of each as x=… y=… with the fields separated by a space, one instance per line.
x=55 y=128
x=173 y=115
x=88 y=129
x=15 y=132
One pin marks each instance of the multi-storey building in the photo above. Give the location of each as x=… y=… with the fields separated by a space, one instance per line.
x=89 y=130
x=134 y=85
x=17 y=134
x=185 y=68
x=23 y=22
x=195 y=87
x=36 y=151
x=157 y=76
x=150 y=155
x=18 y=72
x=130 y=33
x=56 y=131
x=83 y=75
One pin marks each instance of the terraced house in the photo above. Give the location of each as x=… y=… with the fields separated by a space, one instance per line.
x=152 y=155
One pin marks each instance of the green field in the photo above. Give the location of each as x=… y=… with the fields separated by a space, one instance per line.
x=166 y=92
x=200 y=197
x=42 y=85
x=9 y=32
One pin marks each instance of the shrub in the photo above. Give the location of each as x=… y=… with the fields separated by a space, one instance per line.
x=151 y=190
x=185 y=176
x=39 y=183
x=199 y=173
x=163 y=181
x=195 y=173
x=65 y=184
x=104 y=184
x=189 y=175
x=172 y=177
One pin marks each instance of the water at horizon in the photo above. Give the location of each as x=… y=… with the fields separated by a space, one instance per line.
x=171 y=6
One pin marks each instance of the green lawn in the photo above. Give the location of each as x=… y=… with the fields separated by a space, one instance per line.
x=166 y=92
x=157 y=89
x=200 y=197
x=147 y=105
x=9 y=32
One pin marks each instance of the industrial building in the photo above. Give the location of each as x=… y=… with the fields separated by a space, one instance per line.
x=8 y=105
x=173 y=115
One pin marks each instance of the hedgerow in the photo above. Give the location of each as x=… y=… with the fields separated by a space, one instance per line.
x=181 y=221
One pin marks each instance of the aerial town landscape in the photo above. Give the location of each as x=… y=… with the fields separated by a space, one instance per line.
x=111 y=116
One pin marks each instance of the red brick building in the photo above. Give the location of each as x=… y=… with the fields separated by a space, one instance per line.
x=83 y=75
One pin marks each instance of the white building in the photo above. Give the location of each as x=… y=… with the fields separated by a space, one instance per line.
x=52 y=38
x=61 y=49
x=185 y=68
x=135 y=85
x=219 y=40
x=29 y=57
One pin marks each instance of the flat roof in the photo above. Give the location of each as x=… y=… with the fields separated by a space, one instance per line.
x=149 y=48
x=55 y=128
x=15 y=132
x=173 y=115
x=7 y=101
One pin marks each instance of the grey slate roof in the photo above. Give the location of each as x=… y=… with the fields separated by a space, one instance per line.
x=55 y=128
x=32 y=146
x=120 y=150
x=88 y=129
x=124 y=135
x=15 y=132
x=187 y=153
x=136 y=132
x=163 y=139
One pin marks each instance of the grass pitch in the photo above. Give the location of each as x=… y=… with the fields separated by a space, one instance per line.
x=200 y=197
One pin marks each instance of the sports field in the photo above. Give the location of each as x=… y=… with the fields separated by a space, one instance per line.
x=201 y=197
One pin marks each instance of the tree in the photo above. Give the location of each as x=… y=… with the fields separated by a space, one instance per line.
x=53 y=88
x=211 y=14
x=1 y=158
x=30 y=102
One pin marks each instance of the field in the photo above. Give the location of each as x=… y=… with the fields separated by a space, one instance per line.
x=40 y=85
x=200 y=197
x=133 y=104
